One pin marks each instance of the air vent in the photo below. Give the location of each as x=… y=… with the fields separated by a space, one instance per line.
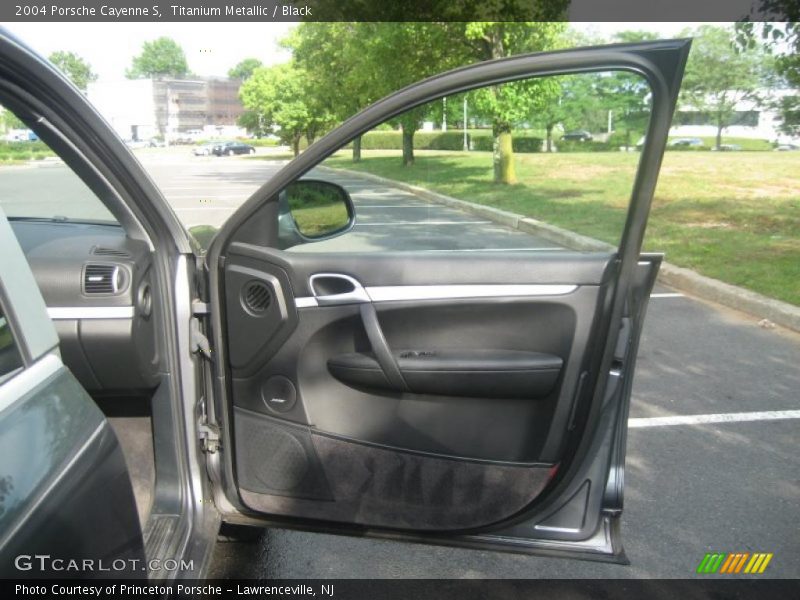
x=101 y=251
x=256 y=296
x=103 y=279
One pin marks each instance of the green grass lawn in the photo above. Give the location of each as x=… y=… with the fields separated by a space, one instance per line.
x=732 y=216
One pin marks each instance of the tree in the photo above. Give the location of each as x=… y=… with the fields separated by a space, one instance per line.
x=160 y=58
x=74 y=67
x=10 y=121
x=333 y=56
x=572 y=101
x=511 y=102
x=781 y=41
x=634 y=35
x=401 y=54
x=627 y=96
x=353 y=64
x=244 y=69
x=278 y=96
x=718 y=78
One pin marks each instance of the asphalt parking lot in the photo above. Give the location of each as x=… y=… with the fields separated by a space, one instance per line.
x=713 y=459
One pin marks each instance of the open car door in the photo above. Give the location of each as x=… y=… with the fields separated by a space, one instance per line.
x=66 y=501
x=458 y=395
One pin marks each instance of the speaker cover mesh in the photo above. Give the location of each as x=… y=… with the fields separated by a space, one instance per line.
x=278 y=459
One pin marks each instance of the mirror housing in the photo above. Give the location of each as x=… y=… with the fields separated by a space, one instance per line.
x=312 y=210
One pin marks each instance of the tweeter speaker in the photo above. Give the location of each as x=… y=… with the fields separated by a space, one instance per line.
x=279 y=394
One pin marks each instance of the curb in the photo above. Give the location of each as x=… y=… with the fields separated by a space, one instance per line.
x=752 y=303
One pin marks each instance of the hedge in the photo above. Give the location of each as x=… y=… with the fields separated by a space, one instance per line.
x=444 y=140
x=423 y=140
x=35 y=150
x=589 y=146
x=520 y=143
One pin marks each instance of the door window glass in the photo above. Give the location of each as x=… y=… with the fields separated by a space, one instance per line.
x=543 y=164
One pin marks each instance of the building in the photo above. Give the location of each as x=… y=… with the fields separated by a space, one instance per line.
x=753 y=119
x=172 y=109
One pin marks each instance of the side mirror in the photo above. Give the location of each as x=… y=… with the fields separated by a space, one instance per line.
x=312 y=210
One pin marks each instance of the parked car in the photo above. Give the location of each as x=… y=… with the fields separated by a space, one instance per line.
x=231 y=148
x=137 y=144
x=579 y=135
x=204 y=150
x=787 y=147
x=475 y=399
x=687 y=141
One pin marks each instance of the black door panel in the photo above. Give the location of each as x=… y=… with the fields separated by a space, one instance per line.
x=546 y=335
x=466 y=438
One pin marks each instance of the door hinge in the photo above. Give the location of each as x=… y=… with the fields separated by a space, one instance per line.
x=209 y=436
x=199 y=340
x=200 y=309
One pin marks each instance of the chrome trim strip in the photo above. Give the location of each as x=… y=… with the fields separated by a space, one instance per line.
x=58 y=313
x=396 y=293
x=556 y=529
x=306 y=302
x=440 y=292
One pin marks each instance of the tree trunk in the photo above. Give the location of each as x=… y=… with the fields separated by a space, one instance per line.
x=296 y=144
x=408 y=146
x=503 y=155
x=549 y=130
x=719 y=134
x=357 y=149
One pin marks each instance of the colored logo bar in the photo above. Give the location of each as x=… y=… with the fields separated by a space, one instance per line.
x=734 y=563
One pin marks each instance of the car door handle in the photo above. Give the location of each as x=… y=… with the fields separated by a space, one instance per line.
x=334 y=288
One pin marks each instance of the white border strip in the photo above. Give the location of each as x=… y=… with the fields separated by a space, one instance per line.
x=740 y=417
x=58 y=313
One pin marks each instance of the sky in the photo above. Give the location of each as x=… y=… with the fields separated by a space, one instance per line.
x=211 y=48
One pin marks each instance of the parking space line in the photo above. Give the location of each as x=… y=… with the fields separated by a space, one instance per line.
x=740 y=417
x=185 y=208
x=668 y=295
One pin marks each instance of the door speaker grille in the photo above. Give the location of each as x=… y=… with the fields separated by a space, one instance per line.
x=256 y=296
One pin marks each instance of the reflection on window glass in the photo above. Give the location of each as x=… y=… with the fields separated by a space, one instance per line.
x=9 y=354
x=559 y=150
x=35 y=184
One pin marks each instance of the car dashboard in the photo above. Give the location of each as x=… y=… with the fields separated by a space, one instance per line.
x=98 y=288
